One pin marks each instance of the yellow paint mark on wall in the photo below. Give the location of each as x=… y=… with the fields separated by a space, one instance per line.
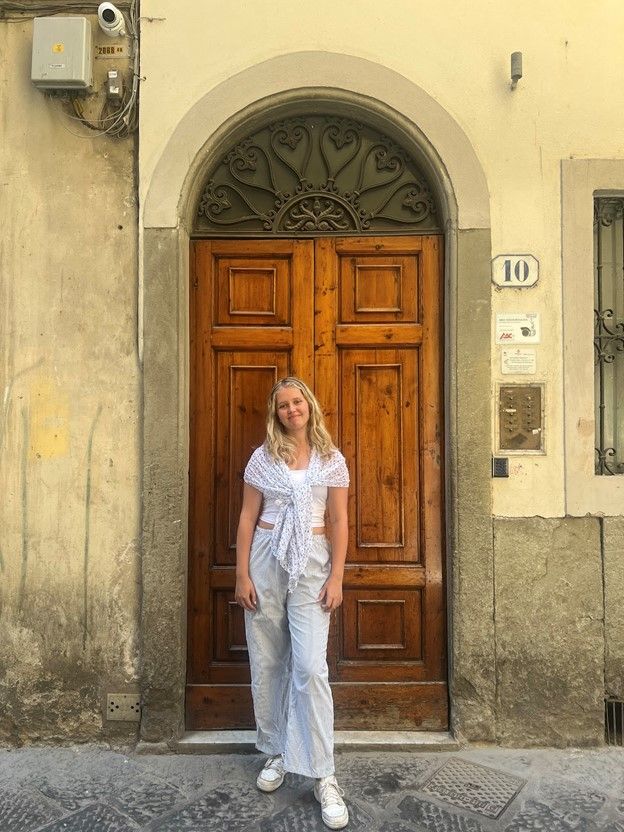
x=49 y=420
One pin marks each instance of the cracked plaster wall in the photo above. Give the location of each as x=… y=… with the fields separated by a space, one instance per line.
x=69 y=463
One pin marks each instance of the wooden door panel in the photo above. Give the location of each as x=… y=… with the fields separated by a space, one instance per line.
x=214 y=707
x=359 y=320
x=229 y=628
x=377 y=288
x=378 y=413
x=243 y=380
x=252 y=323
x=378 y=363
x=406 y=707
x=384 y=624
x=253 y=291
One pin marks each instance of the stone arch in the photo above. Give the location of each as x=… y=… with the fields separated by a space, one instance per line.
x=240 y=99
x=413 y=118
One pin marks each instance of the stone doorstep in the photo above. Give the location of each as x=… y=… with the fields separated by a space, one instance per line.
x=219 y=742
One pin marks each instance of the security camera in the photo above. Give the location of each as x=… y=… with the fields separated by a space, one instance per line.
x=111 y=20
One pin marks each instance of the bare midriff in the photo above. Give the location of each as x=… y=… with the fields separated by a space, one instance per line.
x=262 y=524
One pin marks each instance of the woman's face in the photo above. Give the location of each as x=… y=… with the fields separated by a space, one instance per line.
x=293 y=410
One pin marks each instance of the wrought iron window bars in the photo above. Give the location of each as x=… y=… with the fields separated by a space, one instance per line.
x=609 y=333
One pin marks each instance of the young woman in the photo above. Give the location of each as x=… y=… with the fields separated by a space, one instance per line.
x=289 y=579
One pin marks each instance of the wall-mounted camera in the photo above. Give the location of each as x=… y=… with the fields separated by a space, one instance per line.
x=111 y=20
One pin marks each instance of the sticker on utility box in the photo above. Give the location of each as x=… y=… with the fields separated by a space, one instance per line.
x=518 y=328
x=518 y=361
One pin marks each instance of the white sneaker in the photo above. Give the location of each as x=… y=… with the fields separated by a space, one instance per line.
x=333 y=810
x=272 y=775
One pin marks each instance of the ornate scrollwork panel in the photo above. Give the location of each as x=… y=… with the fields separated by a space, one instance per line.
x=316 y=175
x=609 y=333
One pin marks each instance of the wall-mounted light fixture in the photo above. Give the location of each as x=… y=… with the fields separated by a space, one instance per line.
x=516 y=68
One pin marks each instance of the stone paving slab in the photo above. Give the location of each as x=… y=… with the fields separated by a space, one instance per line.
x=88 y=789
x=378 y=778
x=231 y=806
x=97 y=816
x=22 y=811
x=145 y=799
x=427 y=815
x=303 y=815
x=200 y=772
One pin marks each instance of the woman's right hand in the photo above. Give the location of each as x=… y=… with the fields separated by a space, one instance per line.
x=245 y=593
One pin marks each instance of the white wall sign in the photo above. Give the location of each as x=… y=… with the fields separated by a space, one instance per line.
x=518 y=361
x=518 y=328
x=515 y=270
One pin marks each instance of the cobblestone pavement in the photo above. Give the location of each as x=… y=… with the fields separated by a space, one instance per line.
x=87 y=789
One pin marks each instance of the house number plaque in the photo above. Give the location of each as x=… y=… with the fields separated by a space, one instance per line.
x=516 y=271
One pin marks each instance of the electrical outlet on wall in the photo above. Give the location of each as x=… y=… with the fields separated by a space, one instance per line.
x=124 y=707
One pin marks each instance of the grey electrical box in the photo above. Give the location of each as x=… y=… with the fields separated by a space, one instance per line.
x=62 y=55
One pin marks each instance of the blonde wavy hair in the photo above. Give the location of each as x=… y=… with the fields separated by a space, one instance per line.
x=278 y=443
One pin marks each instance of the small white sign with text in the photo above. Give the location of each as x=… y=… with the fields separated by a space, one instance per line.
x=516 y=271
x=517 y=328
x=518 y=361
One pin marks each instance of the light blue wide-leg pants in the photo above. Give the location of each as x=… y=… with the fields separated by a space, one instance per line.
x=287 y=642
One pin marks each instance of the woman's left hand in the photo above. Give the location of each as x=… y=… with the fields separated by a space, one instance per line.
x=330 y=595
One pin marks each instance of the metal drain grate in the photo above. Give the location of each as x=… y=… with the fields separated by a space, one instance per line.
x=474 y=787
x=614 y=722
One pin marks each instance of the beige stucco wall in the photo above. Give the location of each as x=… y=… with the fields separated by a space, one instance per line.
x=69 y=464
x=460 y=58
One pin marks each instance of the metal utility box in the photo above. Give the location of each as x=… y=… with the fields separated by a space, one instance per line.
x=62 y=55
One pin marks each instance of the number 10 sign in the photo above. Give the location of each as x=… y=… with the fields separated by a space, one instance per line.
x=515 y=270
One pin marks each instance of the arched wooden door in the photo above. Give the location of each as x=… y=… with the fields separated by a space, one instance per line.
x=360 y=320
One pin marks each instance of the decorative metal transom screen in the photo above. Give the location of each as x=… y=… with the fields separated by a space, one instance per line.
x=316 y=175
x=609 y=333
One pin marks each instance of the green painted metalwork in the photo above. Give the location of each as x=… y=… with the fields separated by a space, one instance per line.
x=312 y=175
x=609 y=333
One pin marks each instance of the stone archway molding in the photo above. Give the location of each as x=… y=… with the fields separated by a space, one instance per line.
x=443 y=140
x=446 y=155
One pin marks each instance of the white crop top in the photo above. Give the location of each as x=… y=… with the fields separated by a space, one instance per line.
x=271 y=507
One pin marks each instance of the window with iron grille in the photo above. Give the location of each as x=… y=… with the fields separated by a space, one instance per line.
x=609 y=333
